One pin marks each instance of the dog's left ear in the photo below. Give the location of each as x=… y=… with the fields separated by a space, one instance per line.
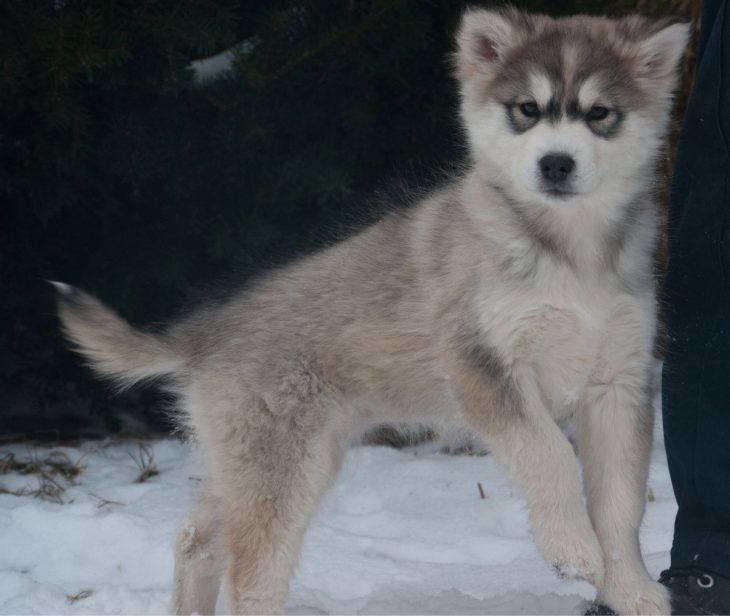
x=660 y=53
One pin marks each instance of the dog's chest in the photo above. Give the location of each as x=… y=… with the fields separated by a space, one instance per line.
x=552 y=333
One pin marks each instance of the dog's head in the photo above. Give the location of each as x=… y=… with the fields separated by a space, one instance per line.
x=562 y=109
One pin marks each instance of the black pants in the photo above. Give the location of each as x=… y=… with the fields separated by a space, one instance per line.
x=696 y=306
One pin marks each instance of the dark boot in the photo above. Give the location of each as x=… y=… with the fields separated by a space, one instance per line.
x=696 y=591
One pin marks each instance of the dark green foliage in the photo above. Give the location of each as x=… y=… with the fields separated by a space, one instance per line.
x=122 y=174
x=89 y=95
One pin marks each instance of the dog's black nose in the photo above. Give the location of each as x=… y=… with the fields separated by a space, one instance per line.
x=556 y=167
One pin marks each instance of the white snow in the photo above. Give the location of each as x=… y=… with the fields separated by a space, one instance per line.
x=212 y=67
x=401 y=532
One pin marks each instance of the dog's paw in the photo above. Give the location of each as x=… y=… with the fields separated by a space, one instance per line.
x=649 y=597
x=598 y=609
x=572 y=558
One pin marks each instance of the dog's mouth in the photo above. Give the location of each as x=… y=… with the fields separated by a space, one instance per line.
x=559 y=193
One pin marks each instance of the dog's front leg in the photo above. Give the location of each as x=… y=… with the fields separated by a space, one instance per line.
x=614 y=443
x=512 y=419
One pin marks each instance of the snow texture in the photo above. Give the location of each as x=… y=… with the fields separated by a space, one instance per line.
x=401 y=532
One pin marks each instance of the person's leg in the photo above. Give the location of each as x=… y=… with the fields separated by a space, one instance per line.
x=696 y=379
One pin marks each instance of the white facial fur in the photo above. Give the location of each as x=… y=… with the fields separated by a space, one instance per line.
x=602 y=166
x=608 y=167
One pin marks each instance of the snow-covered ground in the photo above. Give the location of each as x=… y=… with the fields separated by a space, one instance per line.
x=401 y=532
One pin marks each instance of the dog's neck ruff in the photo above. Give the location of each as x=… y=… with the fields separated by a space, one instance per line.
x=579 y=232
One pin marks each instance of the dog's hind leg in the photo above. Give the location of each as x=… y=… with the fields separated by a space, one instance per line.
x=614 y=443
x=272 y=457
x=267 y=522
x=200 y=559
x=525 y=440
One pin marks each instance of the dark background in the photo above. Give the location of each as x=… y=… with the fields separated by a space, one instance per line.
x=123 y=174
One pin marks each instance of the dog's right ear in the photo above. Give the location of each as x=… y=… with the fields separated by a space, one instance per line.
x=482 y=41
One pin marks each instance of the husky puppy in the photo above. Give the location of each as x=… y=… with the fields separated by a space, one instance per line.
x=518 y=295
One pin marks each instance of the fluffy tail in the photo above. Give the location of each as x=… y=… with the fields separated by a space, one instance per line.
x=113 y=347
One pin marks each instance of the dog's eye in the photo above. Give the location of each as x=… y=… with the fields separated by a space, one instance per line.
x=597 y=113
x=530 y=110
